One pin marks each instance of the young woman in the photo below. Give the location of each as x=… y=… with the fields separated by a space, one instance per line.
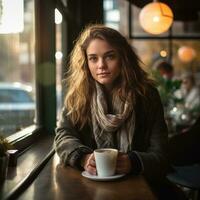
x=110 y=102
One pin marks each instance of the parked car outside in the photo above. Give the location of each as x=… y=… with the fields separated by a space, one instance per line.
x=17 y=107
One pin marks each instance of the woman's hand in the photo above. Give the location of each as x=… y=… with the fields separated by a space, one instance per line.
x=123 y=164
x=88 y=163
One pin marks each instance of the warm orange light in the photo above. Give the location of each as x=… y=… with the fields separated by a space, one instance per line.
x=163 y=53
x=186 y=54
x=156 y=18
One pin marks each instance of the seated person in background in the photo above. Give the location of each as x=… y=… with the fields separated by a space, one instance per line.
x=165 y=69
x=163 y=73
x=189 y=91
x=188 y=109
x=184 y=155
x=184 y=148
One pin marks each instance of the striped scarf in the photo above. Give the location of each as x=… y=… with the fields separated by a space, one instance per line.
x=106 y=126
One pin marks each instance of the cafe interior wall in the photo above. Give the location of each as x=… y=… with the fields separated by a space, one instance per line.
x=150 y=49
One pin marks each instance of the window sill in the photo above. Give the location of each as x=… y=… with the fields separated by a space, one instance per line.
x=26 y=162
x=24 y=138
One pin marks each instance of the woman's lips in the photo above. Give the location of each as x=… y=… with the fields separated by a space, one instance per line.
x=103 y=74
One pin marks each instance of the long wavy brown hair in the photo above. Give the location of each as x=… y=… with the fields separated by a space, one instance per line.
x=80 y=84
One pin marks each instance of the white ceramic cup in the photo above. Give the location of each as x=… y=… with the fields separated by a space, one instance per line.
x=105 y=159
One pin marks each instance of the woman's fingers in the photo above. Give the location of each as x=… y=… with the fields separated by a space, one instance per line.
x=91 y=165
x=92 y=161
x=91 y=170
x=123 y=164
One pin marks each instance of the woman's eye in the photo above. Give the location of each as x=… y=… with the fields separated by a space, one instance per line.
x=110 y=57
x=92 y=59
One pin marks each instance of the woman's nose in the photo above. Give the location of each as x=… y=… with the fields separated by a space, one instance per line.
x=101 y=63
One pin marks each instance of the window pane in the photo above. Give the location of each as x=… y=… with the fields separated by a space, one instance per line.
x=186 y=28
x=111 y=13
x=17 y=62
x=151 y=51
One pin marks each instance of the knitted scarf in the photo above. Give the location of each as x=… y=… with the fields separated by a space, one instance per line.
x=113 y=130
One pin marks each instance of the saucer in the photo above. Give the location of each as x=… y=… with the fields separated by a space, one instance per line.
x=97 y=178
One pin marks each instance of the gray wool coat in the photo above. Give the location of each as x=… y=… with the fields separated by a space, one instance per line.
x=149 y=144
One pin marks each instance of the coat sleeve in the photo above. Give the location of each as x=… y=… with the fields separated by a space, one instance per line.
x=154 y=160
x=67 y=142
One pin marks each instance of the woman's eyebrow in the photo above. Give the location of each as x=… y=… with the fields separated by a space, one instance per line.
x=106 y=53
x=109 y=52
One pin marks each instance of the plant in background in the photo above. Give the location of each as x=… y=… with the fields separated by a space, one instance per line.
x=4 y=146
x=166 y=88
x=4 y=158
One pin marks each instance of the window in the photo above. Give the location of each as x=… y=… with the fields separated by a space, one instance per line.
x=17 y=63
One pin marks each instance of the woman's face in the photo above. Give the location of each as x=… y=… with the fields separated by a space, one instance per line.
x=103 y=61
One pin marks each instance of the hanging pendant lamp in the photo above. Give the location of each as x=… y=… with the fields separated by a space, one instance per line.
x=186 y=54
x=156 y=17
